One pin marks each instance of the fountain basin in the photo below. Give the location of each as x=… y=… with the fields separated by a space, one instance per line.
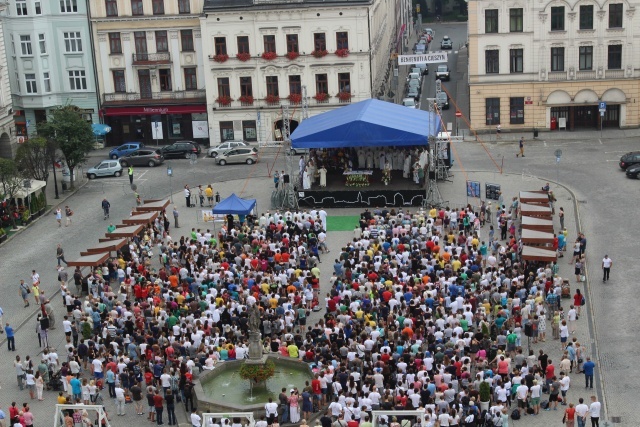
x=222 y=389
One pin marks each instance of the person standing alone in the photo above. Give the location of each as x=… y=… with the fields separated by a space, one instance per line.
x=130 y=174
x=11 y=341
x=187 y=195
x=607 y=263
x=521 y=145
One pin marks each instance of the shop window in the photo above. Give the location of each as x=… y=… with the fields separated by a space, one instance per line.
x=492 y=109
x=516 y=110
x=226 y=131
x=249 y=130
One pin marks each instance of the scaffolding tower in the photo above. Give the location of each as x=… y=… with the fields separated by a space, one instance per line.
x=433 y=196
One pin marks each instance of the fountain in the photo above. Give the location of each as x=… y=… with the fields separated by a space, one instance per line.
x=223 y=389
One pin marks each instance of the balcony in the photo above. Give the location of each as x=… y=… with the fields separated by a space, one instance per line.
x=151 y=58
x=182 y=97
x=614 y=74
x=586 y=75
x=555 y=76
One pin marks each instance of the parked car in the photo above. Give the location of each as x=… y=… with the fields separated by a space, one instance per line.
x=411 y=103
x=414 y=75
x=225 y=146
x=124 y=149
x=443 y=100
x=446 y=43
x=630 y=159
x=420 y=49
x=423 y=67
x=633 y=171
x=296 y=151
x=105 y=168
x=246 y=155
x=442 y=72
x=180 y=149
x=415 y=83
x=429 y=31
x=412 y=92
x=143 y=157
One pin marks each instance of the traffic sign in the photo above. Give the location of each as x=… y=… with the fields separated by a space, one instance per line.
x=458 y=114
x=602 y=106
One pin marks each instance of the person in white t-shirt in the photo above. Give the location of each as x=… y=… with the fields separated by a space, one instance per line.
x=594 y=411
x=581 y=412
x=607 y=263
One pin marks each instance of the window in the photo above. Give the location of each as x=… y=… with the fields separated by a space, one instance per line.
x=295 y=85
x=322 y=85
x=516 y=59
x=69 y=6
x=615 y=57
x=492 y=108
x=243 y=44
x=162 y=42
x=47 y=81
x=557 y=18
x=246 y=89
x=249 y=130
x=344 y=82
x=615 y=15
x=586 y=17
x=137 y=8
x=492 y=61
x=119 y=82
x=516 y=111
x=491 y=21
x=342 y=40
x=190 y=78
x=42 y=43
x=292 y=43
x=112 y=7
x=30 y=80
x=115 y=44
x=557 y=59
x=21 y=7
x=220 y=45
x=226 y=131
x=25 y=45
x=77 y=80
x=319 y=41
x=72 y=41
x=223 y=86
x=585 y=58
x=272 y=86
x=158 y=7
x=37 y=7
x=186 y=37
x=184 y=6
x=140 y=41
x=269 y=43
x=18 y=82
x=515 y=20
x=165 y=79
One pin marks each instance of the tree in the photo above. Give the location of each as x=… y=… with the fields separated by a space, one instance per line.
x=34 y=158
x=72 y=134
x=11 y=182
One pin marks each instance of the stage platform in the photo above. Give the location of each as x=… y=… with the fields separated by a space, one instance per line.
x=399 y=192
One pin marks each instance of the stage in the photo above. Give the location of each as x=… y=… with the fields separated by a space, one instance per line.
x=400 y=192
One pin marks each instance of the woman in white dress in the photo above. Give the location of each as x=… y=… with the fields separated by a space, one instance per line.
x=323 y=176
x=306 y=180
x=369 y=159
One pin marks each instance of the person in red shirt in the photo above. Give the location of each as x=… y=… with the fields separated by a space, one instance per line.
x=317 y=390
x=158 y=404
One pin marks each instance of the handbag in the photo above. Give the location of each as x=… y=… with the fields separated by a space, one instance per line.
x=580 y=360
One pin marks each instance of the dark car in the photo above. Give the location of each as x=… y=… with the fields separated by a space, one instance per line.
x=180 y=150
x=633 y=171
x=630 y=159
x=143 y=157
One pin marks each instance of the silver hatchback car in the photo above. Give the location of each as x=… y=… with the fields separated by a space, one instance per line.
x=248 y=155
x=105 y=168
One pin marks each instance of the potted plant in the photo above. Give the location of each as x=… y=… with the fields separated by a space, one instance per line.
x=224 y=100
x=342 y=53
x=292 y=55
x=485 y=396
x=321 y=97
x=26 y=217
x=257 y=372
x=320 y=53
x=295 y=98
x=269 y=56
x=43 y=203
x=243 y=56
x=221 y=57
x=246 y=99
x=272 y=99
x=344 y=96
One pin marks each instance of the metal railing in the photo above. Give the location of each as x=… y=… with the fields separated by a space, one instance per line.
x=152 y=57
x=186 y=94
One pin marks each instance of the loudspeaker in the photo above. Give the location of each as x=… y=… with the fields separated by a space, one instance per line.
x=528 y=330
x=285 y=178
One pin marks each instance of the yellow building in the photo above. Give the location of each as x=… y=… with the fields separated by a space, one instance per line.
x=552 y=64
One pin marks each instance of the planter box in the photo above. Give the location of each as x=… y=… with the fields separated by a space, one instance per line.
x=3 y=238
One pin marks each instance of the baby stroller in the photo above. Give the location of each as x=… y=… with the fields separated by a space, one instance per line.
x=55 y=381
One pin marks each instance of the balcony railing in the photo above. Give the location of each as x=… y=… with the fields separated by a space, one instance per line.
x=262 y=103
x=614 y=74
x=586 y=75
x=557 y=75
x=164 y=96
x=151 y=58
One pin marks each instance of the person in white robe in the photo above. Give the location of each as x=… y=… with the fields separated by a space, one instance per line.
x=306 y=179
x=323 y=176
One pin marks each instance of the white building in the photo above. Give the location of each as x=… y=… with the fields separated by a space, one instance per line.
x=7 y=127
x=261 y=53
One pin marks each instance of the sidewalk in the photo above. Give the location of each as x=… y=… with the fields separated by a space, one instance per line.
x=513 y=136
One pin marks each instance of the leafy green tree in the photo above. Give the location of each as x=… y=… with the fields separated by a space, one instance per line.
x=72 y=134
x=35 y=156
x=11 y=181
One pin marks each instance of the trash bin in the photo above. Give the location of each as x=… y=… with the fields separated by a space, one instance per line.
x=554 y=123
x=535 y=133
x=64 y=185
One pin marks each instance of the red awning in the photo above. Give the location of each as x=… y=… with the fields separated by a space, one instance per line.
x=401 y=33
x=148 y=111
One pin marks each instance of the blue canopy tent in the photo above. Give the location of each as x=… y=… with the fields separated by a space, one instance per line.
x=234 y=205
x=370 y=123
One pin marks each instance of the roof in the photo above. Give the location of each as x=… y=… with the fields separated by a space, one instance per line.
x=89 y=260
x=234 y=205
x=532 y=253
x=369 y=123
x=210 y=5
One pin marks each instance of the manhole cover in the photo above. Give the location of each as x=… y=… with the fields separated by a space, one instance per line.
x=616 y=420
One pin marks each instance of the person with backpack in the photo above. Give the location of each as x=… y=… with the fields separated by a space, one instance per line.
x=187 y=391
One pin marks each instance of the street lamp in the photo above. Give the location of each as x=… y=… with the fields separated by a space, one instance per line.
x=558 y=154
x=170 y=173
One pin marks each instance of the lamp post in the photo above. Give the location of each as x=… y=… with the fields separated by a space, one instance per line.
x=170 y=173
x=55 y=179
x=558 y=154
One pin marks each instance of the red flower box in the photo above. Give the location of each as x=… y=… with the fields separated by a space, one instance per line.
x=243 y=56
x=344 y=96
x=292 y=55
x=319 y=53
x=269 y=56
x=224 y=100
x=223 y=57
x=321 y=97
x=272 y=99
x=342 y=53
x=295 y=98
x=246 y=99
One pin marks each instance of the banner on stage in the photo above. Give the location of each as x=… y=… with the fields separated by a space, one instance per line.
x=425 y=58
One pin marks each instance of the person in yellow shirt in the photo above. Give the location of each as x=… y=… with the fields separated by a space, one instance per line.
x=456 y=264
x=433 y=213
x=209 y=193
x=293 y=350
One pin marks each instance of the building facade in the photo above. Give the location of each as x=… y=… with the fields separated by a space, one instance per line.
x=8 y=137
x=551 y=64
x=265 y=54
x=150 y=70
x=50 y=61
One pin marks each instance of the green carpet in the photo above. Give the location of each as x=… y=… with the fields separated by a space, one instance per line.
x=342 y=223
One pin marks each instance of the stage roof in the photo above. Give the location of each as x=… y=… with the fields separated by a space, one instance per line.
x=234 y=205
x=370 y=123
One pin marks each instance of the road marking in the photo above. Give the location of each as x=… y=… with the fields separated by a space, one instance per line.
x=142 y=174
x=613 y=160
x=545 y=143
x=600 y=141
x=613 y=152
